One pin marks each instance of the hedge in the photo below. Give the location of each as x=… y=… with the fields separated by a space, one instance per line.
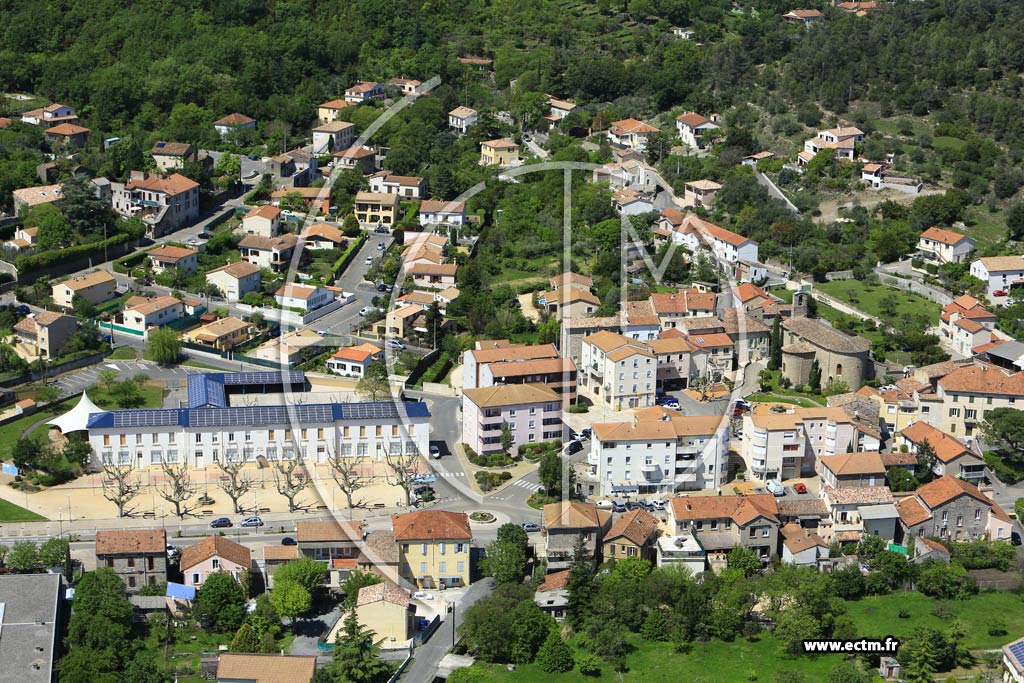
x=45 y=259
x=347 y=256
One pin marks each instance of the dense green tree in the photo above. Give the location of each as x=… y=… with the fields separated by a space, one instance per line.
x=554 y=655
x=355 y=654
x=530 y=626
x=486 y=625
x=581 y=583
x=219 y=603
x=505 y=561
x=356 y=580
x=163 y=346
x=290 y=598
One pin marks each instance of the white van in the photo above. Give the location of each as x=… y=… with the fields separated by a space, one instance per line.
x=603 y=505
x=775 y=487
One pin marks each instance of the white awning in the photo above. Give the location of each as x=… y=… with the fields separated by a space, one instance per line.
x=76 y=419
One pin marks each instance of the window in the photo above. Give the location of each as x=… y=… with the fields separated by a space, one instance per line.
x=423 y=567
x=216 y=563
x=441 y=567
x=231 y=437
x=954 y=412
x=460 y=566
x=195 y=579
x=970 y=414
x=131 y=582
x=959 y=520
x=441 y=547
x=423 y=548
x=151 y=562
x=753 y=532
x=131 y=562
x=977 y=514
x=460 y=547
x=533 y=410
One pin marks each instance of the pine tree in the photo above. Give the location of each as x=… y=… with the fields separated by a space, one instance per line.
x=814 y=379
x=580 y=584
x=554 y=655
x=355 y=653
x=775 y=345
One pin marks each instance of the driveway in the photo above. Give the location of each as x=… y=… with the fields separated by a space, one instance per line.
x=428 y=655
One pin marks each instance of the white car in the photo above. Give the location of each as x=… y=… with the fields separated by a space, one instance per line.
x=366 y=310
x=369 y=261
x=420 y=595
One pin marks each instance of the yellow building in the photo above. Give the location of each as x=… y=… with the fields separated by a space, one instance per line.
x=632 y=535
x=223 y=334
x=502 y=153
x=386 y=610
x=433 y=547
x=376 y=208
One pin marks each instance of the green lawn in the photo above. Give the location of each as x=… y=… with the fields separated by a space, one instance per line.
x=114 y=304
x=189 y=643
x=12 y=431
x=124 y=353
x=802 y=401
x=9 y=512
x=878 y=616
x=869 y=298
x=712 y=662
x=986 y=227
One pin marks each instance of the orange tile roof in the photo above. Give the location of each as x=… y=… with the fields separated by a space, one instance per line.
x=237 y=269
x=333 y=531
x=171 y=253
x=334 y=104
x=683 y=301
x=554 y=581
x=944 y=236
x=382 y=592
x=172 y=185
x=632 y=126
x=571 y=515
x=511 y=395
x=131 y=542
x=500 y=143
x=912 y=512
x=693 y=119
x=637 y=526
x=234 y=119
x=845 y=464
x=353 y=354
x=215 y=546
x=944 y=489
x=707 y=341
x=267 y=211
x=280 y=552
x=983 y=380
x=65 y=129
x=741 y=509
x=436 y=525
x=265 y=668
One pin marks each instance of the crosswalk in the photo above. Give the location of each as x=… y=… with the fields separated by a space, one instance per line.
x=527 y=485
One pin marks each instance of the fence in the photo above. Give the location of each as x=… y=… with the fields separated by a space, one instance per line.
x=421 y=368
x=916 y=287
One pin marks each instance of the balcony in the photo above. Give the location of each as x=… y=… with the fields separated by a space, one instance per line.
x=686 y=477
x=492 y=426
x=651 y=472
x=594 y=370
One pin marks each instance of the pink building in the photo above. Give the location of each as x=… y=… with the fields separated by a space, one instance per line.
x=211 y=555
x=532 y=411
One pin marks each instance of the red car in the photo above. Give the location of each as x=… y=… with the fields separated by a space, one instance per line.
x=800 y=487
x=999 y=292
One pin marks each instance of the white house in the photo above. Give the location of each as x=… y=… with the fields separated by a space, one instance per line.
x=842 y=140
x=696 y=235
x=304 y=297
x=50 y=115
x=235 y=280
x=364 y=92
x=333 y=136
x=352 y=361
x=407 y=187
x=692 y=127
x=264 y=221
x=944 y=246
x=141 y=314
x=461 y=118
x=999 y=272
x=440 y=212
x=631 y=133
x=232 y=122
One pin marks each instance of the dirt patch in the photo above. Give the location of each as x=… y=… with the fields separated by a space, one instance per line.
x=830 y=207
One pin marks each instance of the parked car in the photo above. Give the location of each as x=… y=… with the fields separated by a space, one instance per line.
x=435 y=452
x=586 y=433
x=366 y=310
x=775 y=487
x=395 y=344
x=171 y=551
x=800 y=487
x=658 y=505
x=633 y=505
x=617 y=506
x=574 y=447
x=220 y=523
x=253 y=521
x=288 y=540
x=999 y=292
x=420 y=595
x=383 y=287
x=369 y=260
x=381 y=229
x=420 y=490
x=530 y=527
x=526 y=138
x=1015 y=538
x=380 y=245
x=22 y=310
x=423 y=479
x=603 y=505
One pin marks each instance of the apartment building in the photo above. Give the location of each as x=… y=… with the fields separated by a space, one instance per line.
x=533 y=413
x=699 y=235
x=618 y=371
x=967 y=393
x=272 y=253
x=564 y=523
x=264 y=221
x=138 y=556
x=722 y=523
x=786 y=445
x=211 y=430
x=376 y=208
x=658 y=454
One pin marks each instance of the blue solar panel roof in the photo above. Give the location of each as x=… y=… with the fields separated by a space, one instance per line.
x=257 y=415
x=208 y=390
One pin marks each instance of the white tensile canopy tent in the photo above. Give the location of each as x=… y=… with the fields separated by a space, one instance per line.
x=76 y=419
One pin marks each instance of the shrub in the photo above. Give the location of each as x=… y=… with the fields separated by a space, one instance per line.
x=589 y=664
x=578 y=408
x=554 y=655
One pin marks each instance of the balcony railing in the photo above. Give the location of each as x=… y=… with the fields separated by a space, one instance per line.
x=492 y=426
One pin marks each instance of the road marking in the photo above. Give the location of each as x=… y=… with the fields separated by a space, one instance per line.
x=527 y=485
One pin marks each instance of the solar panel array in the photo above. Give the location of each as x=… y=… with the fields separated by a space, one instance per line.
x=259 y=415
x=145 y=418
x=264 y=377
x=1017 y=650
x=368 y=411
x=206 y=389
